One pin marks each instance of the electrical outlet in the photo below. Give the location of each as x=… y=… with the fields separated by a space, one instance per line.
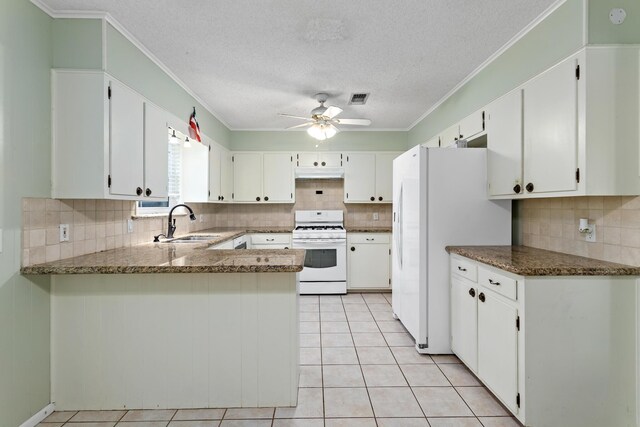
x=591 y=237
x=376 y=216
x=64 y=232
x=129 y=226
x=201 y=217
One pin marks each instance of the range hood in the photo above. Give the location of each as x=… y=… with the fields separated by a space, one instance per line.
x=319 y=173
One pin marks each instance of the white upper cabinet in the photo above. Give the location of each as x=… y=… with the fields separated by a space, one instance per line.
x=263 y=177
x=126 y=141
x=472 y=125
x=226 y=176
x=108 y=141
x=384 y=176
x=450 y=136
x=360 y=178
x=156 y=162
x=318 y=159
x=278 y=181
x=368 y=177
x=247 y=177
x=433 y=143
x=551 y=130
x=504 y=144
x=215 y=173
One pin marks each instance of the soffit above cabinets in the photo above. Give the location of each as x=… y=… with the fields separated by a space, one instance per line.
x=249 y=61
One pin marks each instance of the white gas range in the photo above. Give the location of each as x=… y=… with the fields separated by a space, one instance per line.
x=323 y=236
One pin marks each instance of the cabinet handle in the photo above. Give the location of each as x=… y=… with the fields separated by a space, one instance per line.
x=315 y=163
x=372 y=198
x=270 y=240
x=139 y=191
x=517 y=189
x=461 y=268
x=370 y=239
x=266 y=198
x=529 y=187
x=481 y=297
x=286 y=247
x=147 y=192
x=353 y=248
x=221 y=197
x=380 y=198
x=494 y=283
x=472 y=292
x=257 y=199
x=324 y=163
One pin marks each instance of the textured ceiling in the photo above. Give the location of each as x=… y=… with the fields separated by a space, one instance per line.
x=252 y=59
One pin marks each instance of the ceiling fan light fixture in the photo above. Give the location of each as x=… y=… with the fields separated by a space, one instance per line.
x=322 y=131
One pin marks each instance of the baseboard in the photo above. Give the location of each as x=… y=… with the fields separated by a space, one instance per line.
x=39 y=416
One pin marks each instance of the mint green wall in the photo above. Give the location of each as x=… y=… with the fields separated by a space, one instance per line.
x=128 y=64
x=300 y=141
x=602 y=31
x=25 y=138
x=556 y=37
x=77 y=43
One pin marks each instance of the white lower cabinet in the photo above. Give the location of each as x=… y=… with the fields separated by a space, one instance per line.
x=368 y=261
x=555 y=350
x=269 y=241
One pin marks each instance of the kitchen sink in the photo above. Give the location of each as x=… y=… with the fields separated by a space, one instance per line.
x=192 y=239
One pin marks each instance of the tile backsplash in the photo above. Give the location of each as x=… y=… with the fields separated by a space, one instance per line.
x=553 y=224
x=98 y=225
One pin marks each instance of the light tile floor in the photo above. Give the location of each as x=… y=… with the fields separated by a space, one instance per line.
x=358 y=369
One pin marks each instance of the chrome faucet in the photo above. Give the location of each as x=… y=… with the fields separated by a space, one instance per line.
x=172 y=221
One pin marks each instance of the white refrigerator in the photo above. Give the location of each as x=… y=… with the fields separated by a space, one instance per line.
x=439 y=199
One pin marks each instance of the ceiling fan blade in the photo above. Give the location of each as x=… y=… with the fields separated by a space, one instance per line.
x=294 y=117
x=356 y=122
x=331 y=112
x=299 y=126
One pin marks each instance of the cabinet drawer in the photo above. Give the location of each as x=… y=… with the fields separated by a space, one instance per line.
x=270 y=239
x=497 y=282
x=370 y=238
x=465 y=268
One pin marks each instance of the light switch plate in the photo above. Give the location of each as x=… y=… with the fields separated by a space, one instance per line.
x=129 y=226
x=376 y=216
x=64 y=232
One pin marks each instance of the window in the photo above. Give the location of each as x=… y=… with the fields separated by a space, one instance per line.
x=173 y=186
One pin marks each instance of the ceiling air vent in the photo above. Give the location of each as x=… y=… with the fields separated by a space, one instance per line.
x=358 y=98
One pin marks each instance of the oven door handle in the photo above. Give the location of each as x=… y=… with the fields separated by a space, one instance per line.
x=318 y=243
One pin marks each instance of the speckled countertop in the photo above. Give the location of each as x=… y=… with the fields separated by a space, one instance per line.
x=365 y=229
x=526 y=261
x=181 y=258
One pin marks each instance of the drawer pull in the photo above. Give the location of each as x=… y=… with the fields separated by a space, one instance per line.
x=494 y=283
x=270 y=240
x=481 y=297
x=472 y=292
x=462 y=269
x=370 y=240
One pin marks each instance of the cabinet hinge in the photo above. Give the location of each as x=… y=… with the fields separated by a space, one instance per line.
x=389 y=281
x=233 y=195
x=347 y=195
x=291 y=195
x=233 y=158
x=518 y=322
x=578 y=175
x=209 y=193
x=292 y=159
x=209 y=148
x=483 y=120
x=578 y=72
x=109 y=181
x=347 y=158
x=389 y=251
x=109 y=92
x=518 y=399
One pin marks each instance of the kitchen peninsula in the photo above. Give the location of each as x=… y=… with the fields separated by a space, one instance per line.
x=129 y=329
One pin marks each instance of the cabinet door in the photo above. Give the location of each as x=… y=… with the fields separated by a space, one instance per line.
x=368 y=266
x=384 y=177
x=550 y=129
x=433 y=143
x=504 y=144
x=156 y=152
x=464 y=321
x=126 y=141
x=330 y=160
x=215 y=173
x=247 y=177
x=307 y=160
x=278 y=184
x=472 y=124
x=450 y=136
x=360 y=178
x=498 y=346
x=226 y=175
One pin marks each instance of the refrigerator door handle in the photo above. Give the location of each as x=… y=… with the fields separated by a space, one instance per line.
x=398 y=220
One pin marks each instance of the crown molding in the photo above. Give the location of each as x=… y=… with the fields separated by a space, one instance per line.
x=108 y=18
x=304 y=130
x=490 y=59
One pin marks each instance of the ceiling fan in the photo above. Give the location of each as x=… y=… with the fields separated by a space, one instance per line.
x=323 y=120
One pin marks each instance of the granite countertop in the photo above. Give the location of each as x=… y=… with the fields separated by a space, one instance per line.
x=181 y=258
x=526 y=261
x=365 y=229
